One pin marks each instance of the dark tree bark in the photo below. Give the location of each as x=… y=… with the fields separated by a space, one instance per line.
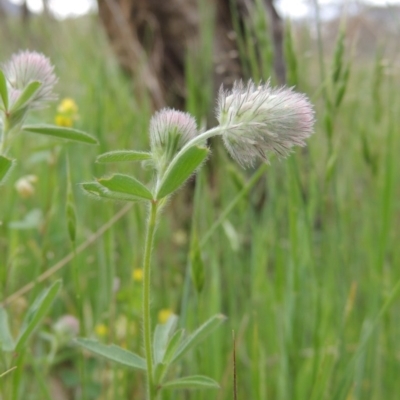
x=151 y=39
x=277 y=38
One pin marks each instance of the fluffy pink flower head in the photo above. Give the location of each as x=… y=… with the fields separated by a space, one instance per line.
x=259 y=120
x=28 y=66
x=170 y=130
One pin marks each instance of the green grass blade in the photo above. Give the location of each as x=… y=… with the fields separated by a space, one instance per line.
x=6 y=339
x=36 y=312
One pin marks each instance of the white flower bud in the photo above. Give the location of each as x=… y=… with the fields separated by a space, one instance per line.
x=170 y=130
x=28 y=66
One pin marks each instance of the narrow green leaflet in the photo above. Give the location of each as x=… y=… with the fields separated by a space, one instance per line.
x=199 y=335
x=126 y=184
x=6 y=339
x=123 y=156
x=181 y=169
x=36 y=312
x=6 y=165
x=26 y=96
x=98 y=191
x=192 y=382
x=159 y=372
x=3 y=89
x=161 y=337
x=173 y=345
x=61 y=132
x=113 y=353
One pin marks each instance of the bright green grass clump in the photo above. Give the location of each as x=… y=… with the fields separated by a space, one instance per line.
x=305 y=266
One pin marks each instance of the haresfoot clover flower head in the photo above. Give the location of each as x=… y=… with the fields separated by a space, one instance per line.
x=170 y=130
x=259 y=120
x=26 y=67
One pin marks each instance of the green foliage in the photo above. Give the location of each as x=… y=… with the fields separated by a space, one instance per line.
x=192 y=382
x=119 y=183
x=61 y=133
x=180 y=169
x=113 y=353
x=36 y=312
x=198 y=336
x=197 y=264
x=26 y=96
x=123 y=156
x=6 y=339
x=6 y=165
x=3 y=90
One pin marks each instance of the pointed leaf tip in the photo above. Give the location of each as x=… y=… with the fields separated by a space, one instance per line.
x=61 y=133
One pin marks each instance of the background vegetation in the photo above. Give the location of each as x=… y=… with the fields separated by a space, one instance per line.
x=306 y=267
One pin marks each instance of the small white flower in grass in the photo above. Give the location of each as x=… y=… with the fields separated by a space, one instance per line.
x=170 y=130
x=26 y=67
x=258 y=120
x=67 y=326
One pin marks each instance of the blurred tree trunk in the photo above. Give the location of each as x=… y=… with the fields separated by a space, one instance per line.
x=152 y=39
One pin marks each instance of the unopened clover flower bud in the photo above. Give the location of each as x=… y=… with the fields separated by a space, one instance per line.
x=170 y=130
x=259 y=120
x=25 y=186
x=29 y=66
x=67 y=326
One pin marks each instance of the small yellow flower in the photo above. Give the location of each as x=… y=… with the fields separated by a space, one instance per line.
x=67 y=113
x=164 y=314
x=62 y=120
x=137 y=274
x=67 y=106
x=101 y=330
